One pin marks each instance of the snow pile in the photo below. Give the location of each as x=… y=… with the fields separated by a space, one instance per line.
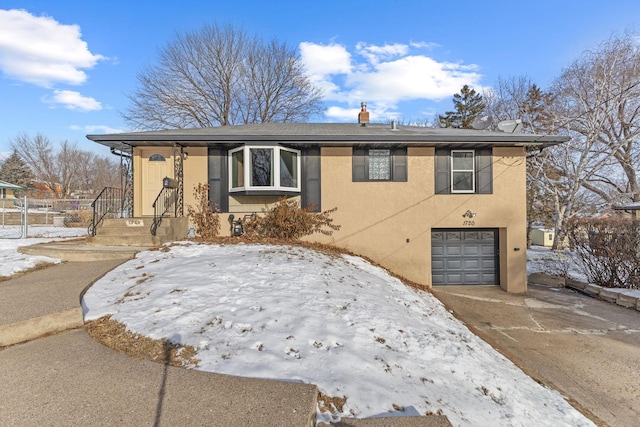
x=336 y=321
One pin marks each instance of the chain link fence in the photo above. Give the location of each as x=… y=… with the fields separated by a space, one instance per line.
x=21 y=218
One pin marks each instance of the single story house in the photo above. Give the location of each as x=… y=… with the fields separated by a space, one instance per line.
x=437 y=206
x=8 y=190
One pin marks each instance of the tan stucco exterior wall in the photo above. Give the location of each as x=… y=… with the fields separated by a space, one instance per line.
x=391 y=222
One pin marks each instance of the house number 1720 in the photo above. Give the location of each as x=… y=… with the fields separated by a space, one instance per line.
x=469 y=223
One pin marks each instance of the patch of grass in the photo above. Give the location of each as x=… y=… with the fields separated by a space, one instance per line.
x=115 y=335
x=330 y=404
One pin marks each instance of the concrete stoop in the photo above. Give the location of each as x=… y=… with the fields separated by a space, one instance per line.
x=81 y=250
x=137 y=232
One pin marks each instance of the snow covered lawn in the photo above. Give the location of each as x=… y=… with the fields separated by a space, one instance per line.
x=14 y=262
x=295 y=314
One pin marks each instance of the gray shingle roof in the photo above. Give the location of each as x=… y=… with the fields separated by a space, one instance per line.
x=325 y=134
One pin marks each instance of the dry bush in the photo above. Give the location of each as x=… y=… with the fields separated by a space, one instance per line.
x=204 y=215
x=608 y=249
x=288 y=221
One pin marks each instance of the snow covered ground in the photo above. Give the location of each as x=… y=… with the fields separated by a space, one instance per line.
x=541 y=259
x=339 y=322
x=13 y=262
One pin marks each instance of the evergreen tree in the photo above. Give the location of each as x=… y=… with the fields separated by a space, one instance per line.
x=468 y=106
x=15 y=171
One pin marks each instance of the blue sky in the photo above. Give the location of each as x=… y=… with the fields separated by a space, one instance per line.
x=66 y=66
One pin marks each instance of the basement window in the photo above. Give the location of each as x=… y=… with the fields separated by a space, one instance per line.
x=264 y=169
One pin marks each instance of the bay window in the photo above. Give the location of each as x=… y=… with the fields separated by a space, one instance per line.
x=259 y=168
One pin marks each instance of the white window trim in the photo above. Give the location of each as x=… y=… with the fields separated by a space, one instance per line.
x=472 y=170
x=246 y=149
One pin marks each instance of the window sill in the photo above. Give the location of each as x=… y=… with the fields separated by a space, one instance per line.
x=265 y=192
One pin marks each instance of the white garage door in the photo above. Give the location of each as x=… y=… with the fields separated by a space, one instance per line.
x=464 y=257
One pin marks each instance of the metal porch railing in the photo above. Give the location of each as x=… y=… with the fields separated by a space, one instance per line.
x=108 y=204
x=164 y=205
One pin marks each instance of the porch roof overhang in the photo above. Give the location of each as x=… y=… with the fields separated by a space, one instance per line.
x=326 y=135
x=7 y=185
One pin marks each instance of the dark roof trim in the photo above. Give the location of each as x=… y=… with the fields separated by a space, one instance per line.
x=325 y=134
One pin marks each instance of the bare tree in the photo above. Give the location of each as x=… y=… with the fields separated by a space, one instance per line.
x=220 y=76
x=519 y=98
x=601 y=93
x=67 y=168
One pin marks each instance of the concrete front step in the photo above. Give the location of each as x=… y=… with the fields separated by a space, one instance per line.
x=137 y=231
x=80 y=250
x=125 y=240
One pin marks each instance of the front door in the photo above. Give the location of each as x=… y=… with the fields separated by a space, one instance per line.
x=156 y=165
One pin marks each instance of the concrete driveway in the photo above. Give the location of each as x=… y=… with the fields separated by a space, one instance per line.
x=587 y=349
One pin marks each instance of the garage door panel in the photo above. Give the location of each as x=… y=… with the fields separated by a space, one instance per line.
x=488 y=278
x=453 y=264
x=469 y=264
x=488 y=249
x=472 y=250
x=454 y=250
x=488 y=264
x=471 y=279
x=453 y=278
x=464 y=257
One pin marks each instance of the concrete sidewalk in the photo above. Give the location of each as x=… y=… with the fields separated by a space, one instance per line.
x=47 y=300
x=587 y=349
x=66 y=378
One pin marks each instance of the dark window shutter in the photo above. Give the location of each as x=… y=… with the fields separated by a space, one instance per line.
x=484 y=171
x=400 y=164
x=218 y=178
x=311 y=188
x=443 y=164
x=359 y=169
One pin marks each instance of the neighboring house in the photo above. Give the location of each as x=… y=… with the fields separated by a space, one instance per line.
x=436 y=206
x=42 y=190
x=7 y=190
x=542 y=237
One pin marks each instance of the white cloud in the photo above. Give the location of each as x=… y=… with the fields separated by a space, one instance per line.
x=97 y=129
x=384 y=76
x=72 y=100
x=41 y=51
x=325 y=59
x=376 y=53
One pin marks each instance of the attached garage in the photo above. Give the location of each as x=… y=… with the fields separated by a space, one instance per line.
x=464 y=257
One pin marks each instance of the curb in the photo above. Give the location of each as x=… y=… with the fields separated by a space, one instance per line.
x=27 y=330
x=609 y=295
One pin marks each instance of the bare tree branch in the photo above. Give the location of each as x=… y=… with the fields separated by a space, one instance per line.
x=220 y=76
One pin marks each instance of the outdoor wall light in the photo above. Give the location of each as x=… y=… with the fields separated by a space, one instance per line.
x=469 y=214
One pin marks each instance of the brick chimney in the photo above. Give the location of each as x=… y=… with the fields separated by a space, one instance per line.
x=363 y=115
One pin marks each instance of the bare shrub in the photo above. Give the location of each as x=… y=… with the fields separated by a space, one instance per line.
x=609 y=250
x=288 y=221
x=204 y=215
